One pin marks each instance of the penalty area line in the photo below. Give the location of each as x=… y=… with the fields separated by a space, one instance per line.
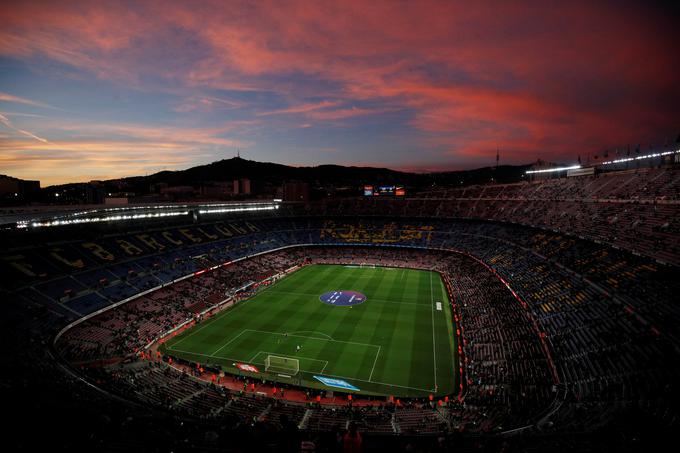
x=313 y=338
x=323 y=374
x=298 y=358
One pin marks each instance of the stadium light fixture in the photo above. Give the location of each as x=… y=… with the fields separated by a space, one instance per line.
x=646 y=156
x=115 y=214
x=238 y=209
x=549 y=170
x=112 y=218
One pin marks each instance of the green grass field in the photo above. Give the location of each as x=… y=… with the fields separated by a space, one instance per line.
x=398 y=342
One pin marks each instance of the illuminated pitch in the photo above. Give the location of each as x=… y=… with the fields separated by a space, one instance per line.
x=399 y=340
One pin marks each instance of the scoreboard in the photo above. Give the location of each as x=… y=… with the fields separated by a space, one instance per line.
x=384 y=191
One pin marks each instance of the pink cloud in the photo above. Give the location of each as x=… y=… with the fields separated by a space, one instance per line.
x=206 y=104
x=525 y=77
x=6 y=97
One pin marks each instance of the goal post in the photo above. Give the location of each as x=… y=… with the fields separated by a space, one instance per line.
x=283 y=365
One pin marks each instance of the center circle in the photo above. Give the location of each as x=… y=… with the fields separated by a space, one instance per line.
x=342 y=298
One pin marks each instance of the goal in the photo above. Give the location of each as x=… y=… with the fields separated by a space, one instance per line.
x=283 y=365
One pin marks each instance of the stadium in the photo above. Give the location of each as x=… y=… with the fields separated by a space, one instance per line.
x=538 y=313
x=339 y=226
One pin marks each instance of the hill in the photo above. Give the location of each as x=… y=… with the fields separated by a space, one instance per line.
x=214 y=182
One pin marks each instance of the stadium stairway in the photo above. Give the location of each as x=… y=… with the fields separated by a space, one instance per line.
x=305 y=419
x=395 y=424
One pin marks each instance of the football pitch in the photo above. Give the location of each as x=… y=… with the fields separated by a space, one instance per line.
x=380 y=331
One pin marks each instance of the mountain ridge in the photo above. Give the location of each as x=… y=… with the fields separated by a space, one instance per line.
x=227 y=170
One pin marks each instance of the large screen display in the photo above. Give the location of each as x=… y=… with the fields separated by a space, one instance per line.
x=384 y=191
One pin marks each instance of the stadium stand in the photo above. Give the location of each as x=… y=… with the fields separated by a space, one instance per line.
x=565 y=291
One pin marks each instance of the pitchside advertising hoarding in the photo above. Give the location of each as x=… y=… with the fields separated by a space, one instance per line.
x=338 y=383
x=247 y=367
x=330 y=382
x=384 y=191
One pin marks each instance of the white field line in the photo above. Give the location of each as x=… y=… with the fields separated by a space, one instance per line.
x=314 y=338
x=214 y=354
x=374 y=362
x=211 y=320
x=298 y=358
x=313 y=331
x=277 y=354
x=228 y=343
x=272 y=289
x=204 y=355
x=252 y=359
x=231 y=309
x=434 y=347
x=328 y=375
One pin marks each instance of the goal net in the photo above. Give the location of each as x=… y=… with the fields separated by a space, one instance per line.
x=283 y=365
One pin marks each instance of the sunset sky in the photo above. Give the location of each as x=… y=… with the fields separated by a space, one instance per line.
x=98 y=90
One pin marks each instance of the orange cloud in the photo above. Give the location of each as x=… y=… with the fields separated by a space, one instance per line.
x=113 y=150
x=68 y=161
x=528 y=78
